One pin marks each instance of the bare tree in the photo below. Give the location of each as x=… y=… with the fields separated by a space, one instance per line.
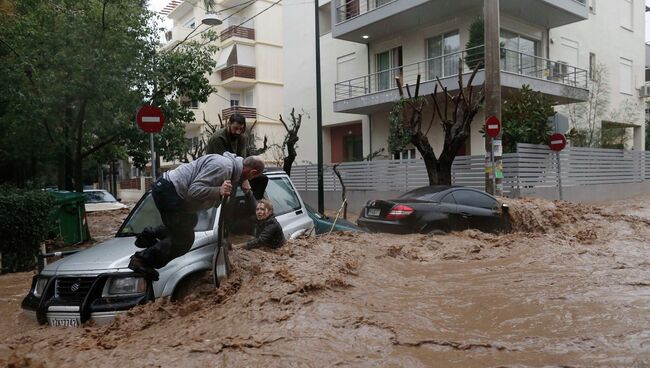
x=290 y=141
x=586 y=117
x=455 y=111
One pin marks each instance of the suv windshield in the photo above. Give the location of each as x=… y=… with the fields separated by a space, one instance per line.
x=146 y=214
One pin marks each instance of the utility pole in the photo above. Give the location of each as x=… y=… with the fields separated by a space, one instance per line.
x=493 y=146
x=319 y=115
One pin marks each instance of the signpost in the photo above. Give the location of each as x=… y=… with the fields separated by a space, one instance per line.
x=151 y=120
x=493 y=129
x=557 y=142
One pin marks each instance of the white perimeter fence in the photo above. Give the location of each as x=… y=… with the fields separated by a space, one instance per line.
x=532 y=167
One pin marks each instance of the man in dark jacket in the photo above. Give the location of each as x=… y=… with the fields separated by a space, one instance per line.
x=268 y=232
x=179 y=195
x=233 y=139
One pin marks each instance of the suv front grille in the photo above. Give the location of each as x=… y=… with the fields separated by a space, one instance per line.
x=73 y=288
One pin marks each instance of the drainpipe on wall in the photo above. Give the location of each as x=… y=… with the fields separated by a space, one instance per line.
x=369 y=115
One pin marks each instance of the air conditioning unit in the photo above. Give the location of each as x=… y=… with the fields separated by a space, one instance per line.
x=644 y=91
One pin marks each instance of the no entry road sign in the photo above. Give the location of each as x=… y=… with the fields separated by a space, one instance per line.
x=492 y=126
x=557 y=142
x=150 y=119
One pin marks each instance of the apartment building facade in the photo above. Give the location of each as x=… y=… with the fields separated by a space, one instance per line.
x=407 y=38
x=249 y=72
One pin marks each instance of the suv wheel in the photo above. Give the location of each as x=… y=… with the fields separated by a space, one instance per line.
x=221 y=263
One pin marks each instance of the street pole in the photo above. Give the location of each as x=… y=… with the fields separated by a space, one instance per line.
x=319 y=114
x=153 y=157
x=493 y=166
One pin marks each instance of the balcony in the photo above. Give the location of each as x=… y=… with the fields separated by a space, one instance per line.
x=376 y=19
x=247 y=112
x=560 y=82
x=238 y=76
x=237 y=31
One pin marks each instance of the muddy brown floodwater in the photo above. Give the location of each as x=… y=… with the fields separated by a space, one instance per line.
x=570 y=287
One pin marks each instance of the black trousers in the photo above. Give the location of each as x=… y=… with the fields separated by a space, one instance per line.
x=177 y=232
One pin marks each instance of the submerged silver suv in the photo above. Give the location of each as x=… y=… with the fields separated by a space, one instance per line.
x=95 y=284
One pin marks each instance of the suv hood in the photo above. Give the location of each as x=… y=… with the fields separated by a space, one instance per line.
x=111 y=254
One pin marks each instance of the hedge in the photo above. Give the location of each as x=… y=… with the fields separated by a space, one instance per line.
x=24 y=224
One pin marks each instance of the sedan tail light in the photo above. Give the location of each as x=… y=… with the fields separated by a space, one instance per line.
x=399 y=211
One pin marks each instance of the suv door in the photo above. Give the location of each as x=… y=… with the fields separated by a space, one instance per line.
x=287 y=206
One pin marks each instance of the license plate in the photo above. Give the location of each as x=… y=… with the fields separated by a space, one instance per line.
x=373 y=211
x=65 y=322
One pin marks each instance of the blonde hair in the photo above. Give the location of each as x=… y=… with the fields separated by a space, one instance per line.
x=267 y=204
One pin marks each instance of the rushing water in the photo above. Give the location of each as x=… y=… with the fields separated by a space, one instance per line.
x=570 y=288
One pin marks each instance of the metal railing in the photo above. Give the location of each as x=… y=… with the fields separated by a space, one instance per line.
x=247 y=112
x=241 y=71
x=447 y=66
x=348 y=9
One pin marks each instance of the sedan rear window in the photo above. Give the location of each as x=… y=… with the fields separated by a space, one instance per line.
x=425 y=193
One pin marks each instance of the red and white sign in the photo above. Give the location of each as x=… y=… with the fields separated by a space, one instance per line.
x=557 y=142
x=150 y=119
x=492 y=126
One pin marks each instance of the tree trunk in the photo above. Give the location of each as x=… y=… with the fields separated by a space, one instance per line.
x=67 y=171
x=291 y=155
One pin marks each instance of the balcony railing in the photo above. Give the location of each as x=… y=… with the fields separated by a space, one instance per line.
x=348 y=9
x=446 y=66
x=237 y=31
x=247 y=112
x=240 y=71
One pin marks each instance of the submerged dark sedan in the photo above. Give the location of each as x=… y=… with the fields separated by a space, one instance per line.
x=436 y=208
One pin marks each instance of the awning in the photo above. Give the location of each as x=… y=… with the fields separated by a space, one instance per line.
x=222 y=62
x=245 y=55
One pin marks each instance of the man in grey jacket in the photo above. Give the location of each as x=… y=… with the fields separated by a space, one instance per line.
x=179 y=195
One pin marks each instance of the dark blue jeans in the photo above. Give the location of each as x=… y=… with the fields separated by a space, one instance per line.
x=177 y=233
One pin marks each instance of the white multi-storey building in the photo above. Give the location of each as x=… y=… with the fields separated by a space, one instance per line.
x=547 y=44
x=249 y=73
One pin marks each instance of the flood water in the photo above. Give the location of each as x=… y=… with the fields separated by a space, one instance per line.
x=570 y=287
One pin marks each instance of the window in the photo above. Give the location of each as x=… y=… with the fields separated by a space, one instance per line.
x=387 y=66
x=234 y=99
x=283 y=196
x=249 y=99
x=519 y=54
x=625 y=76
x=189 y=103
x=449 y=198
x=190 y=24
x=625 y=14
x=474 y=199
x=146 y=214
x=592 y=66
x=442 y=52
x=353 y=146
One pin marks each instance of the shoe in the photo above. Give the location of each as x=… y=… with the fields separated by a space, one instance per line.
x=146 y=238
x=137 y=265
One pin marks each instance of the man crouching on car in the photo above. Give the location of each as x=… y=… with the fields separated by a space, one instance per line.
x=268 y=232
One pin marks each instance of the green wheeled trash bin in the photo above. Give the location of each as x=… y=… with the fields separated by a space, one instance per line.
x=70 y=217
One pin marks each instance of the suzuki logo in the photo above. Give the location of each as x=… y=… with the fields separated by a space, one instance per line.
x=75 y=286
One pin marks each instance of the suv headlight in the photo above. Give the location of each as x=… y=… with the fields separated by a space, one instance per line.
x=117 y=286
x=39 y=287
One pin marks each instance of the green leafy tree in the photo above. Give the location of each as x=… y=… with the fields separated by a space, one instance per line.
x=525 y=119
x=475 y=54
x=76 y=71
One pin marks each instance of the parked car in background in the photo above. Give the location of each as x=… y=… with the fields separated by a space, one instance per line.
x=323 y=223
x=101 y=200
x=96 y=284
x=436 y=209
